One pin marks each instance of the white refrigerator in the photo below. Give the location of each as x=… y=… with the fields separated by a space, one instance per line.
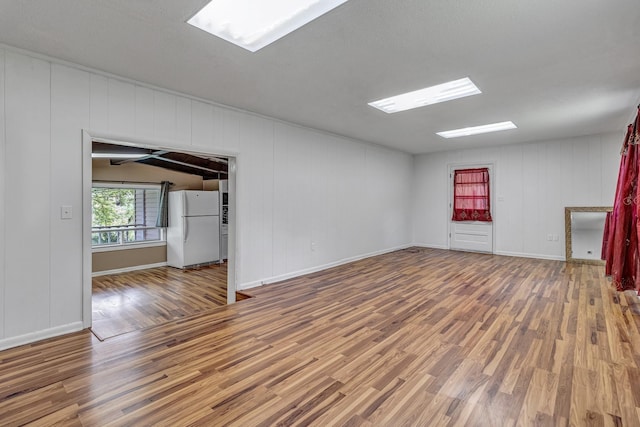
x=193 y=235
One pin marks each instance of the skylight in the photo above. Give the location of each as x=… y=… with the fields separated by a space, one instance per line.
x=427 y=96
x=253 y=24
x=475 y=130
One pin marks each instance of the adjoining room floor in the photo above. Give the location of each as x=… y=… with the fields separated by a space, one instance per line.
x=418 y=337
x=127 y=302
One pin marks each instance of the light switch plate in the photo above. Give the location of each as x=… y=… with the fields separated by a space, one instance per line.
x=66 y=212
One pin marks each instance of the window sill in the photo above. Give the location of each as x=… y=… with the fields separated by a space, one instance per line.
x=111 y=248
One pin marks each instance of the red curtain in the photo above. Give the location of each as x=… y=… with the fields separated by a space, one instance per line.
x=471 y=195
x=620 y=241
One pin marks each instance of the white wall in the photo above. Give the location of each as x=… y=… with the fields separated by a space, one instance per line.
x=534 y=182
x=306 y=199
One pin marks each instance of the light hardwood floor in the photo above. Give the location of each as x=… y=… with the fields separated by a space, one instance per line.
x=136 y=300
x=417 y=337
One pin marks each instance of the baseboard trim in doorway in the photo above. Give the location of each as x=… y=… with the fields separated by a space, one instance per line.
x=128 y=269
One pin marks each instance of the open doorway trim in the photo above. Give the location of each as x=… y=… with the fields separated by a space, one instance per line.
x=87 y=138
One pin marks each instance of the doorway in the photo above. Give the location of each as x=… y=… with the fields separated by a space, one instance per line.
x=471 y=235
x=223 y=273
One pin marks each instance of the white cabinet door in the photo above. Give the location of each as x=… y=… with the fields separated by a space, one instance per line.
x=471 y=236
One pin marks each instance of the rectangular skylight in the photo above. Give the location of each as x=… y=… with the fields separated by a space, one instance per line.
x=475 y=130
x=253 y=24
x=427 y=96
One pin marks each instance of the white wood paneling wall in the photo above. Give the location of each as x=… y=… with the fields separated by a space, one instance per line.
x=27 y=194
x=70 y=111
x=534 y=182
x=305 y=199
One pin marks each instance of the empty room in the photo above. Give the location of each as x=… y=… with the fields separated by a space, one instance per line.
x=319 y=212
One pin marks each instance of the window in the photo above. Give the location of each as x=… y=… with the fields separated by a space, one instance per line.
x=471 y=198
x=123 y=214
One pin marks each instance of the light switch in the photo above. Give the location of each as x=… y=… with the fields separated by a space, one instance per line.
x=66 y=212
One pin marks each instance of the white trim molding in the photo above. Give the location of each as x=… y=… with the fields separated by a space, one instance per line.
x=500 y=253
x=430 y=246
x=40 y=335
x=279 y=278
x=128 y=269
x=527 y=255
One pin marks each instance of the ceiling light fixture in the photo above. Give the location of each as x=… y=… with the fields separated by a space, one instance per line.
x=427 y=96
x=475 y=130
x=118 y=155
x=253 y=24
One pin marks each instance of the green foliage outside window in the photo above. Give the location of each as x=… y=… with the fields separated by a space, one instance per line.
x=122 y=215
x=111 y=207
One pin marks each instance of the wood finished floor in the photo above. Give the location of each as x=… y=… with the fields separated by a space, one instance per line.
x=127 y=302
x=417 y=337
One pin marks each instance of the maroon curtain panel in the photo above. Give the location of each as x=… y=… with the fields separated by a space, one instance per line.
x=620 y=240
x=471 y=198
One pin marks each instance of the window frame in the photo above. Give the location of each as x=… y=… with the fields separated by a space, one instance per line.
x=486 y=213
x=162 y=241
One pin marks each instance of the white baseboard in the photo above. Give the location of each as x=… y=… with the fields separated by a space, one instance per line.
x=128 y=269
x=502 y=253
x=528 y=255
x=281 y=277
x=430 y=246
x=249 y=285
x=40 y=335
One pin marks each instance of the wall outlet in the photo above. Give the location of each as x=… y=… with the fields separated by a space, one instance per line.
x=313 y=246
x=549 y=237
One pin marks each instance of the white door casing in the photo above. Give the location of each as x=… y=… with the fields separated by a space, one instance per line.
x=474 y=236
x=87 y=139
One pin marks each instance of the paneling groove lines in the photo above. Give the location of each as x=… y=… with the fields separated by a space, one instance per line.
x=414 y=337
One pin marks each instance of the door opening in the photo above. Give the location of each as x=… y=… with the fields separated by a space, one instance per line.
x=471 y=229
x=184 y=175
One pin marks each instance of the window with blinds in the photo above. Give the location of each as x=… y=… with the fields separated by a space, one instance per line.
x=124 y=213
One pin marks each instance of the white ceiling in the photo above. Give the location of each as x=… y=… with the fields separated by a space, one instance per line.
x=557 y=69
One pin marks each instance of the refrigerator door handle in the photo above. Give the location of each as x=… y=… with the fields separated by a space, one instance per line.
x=185 y=227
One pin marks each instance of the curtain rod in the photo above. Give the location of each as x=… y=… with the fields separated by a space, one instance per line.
x=129 y=182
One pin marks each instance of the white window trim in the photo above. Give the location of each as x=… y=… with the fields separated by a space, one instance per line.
x=133 y=245
x=120 y=184
x=140 y=245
